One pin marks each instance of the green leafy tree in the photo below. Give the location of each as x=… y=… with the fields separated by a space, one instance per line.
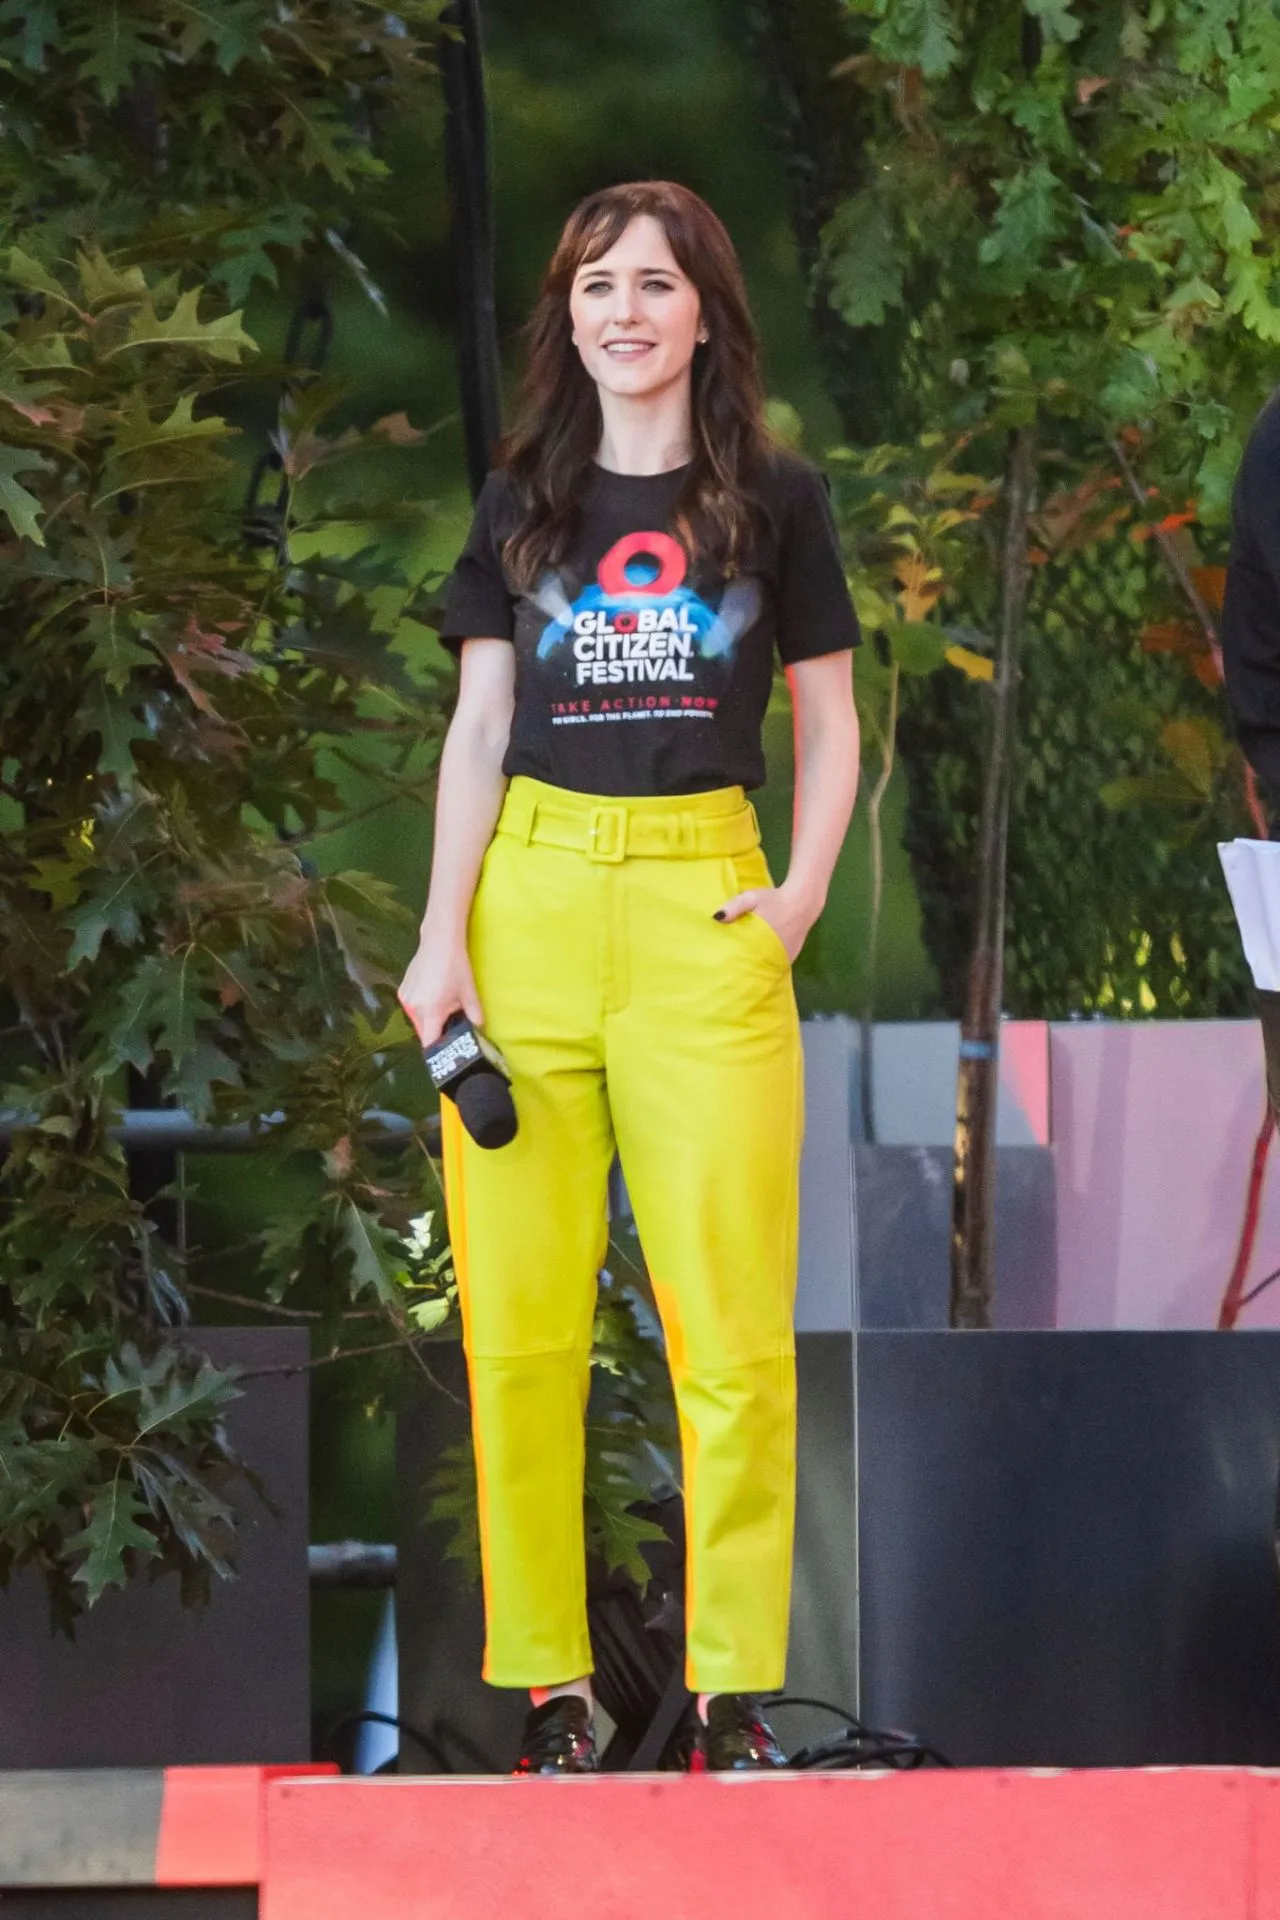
x=175 y=691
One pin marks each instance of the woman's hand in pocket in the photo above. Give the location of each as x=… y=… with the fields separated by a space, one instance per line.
x=788 y=914
x=437 y=982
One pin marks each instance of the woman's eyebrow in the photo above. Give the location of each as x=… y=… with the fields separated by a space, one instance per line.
x=584 y=271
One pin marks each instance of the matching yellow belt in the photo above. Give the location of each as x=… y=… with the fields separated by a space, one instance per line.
x=616 y=830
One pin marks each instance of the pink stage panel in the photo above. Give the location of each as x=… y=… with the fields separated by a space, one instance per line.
x=1152 y=1845
x=1153 y=1126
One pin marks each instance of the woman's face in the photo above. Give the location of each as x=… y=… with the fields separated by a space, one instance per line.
x=636 y=316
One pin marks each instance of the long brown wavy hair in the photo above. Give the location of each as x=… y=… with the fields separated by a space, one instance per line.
x=550 y=449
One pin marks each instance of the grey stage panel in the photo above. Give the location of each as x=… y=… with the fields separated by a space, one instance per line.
x=902 y=1208
x=70 y=1828
x=147 y=1682
x=875 y=1226
x=1066 y=1551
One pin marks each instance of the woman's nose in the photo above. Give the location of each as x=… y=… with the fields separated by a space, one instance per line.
x=625 y=311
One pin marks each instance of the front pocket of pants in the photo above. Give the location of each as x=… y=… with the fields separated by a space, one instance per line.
x=745 y=873
x=769 y=937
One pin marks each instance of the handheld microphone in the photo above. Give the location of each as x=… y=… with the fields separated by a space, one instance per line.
x=468 y=1068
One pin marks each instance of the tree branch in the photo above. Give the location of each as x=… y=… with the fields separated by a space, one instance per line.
x=1173 y=560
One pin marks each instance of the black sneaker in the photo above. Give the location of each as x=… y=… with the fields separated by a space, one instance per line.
x=737 y=1738
x=558 y=1738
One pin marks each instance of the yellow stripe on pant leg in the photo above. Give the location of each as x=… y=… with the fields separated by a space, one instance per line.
x=452 y=1146
x=688 y=1489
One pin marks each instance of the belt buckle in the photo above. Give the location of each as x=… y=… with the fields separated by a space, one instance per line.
x=607 y=835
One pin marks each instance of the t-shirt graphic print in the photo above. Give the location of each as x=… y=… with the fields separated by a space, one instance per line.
x=624 y=645
x=641 y=626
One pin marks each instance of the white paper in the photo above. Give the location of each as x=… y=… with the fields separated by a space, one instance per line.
x=1252 y=869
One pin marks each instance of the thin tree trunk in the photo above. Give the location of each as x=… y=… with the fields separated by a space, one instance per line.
x=973 y=1194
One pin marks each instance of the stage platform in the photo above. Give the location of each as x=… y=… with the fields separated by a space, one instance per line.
x=1146 y=1845
x=1156 y=1844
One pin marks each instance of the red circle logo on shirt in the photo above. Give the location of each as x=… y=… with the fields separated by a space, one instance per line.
x=667 y=553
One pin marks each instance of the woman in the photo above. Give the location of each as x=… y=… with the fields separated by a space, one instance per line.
x=599 y=900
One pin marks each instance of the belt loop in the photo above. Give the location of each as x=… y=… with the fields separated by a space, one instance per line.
x=687 y=835
x=518 y=815
x=755 y=823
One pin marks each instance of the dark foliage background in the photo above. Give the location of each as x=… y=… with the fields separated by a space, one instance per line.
x=170 y=677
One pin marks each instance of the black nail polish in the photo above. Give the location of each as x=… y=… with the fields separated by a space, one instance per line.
x=719 y=915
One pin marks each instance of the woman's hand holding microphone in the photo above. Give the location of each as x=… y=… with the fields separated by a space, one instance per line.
x=439 y=995
x=438 y=991
x=438 y=981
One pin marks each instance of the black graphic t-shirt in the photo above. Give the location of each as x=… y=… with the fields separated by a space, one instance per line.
x=635 y=672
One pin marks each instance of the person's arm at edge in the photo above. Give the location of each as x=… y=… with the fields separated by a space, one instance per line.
x=828 y=749
x=828 y=752
x=469 y=796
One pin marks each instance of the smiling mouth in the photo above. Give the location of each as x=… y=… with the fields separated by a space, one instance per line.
x=627 y=349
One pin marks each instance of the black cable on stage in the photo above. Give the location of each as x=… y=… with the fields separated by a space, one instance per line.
x=368 y=1717
x=858 y=1745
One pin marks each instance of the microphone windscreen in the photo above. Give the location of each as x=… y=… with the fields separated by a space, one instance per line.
x=487 y=1109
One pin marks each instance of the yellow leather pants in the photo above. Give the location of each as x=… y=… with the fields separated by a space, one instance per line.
x=628 y=1015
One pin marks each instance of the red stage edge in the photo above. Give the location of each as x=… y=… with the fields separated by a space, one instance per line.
x=213 y=1824
x=1151 y=1844
x=143 y=1827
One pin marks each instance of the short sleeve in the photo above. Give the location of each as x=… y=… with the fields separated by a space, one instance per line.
x=478 y=603
x=815 y=613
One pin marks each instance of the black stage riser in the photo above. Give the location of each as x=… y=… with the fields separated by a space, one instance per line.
x=1044 y=1549
x=1030 y=1549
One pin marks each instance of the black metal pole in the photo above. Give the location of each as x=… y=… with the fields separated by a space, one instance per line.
x=467 y=179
